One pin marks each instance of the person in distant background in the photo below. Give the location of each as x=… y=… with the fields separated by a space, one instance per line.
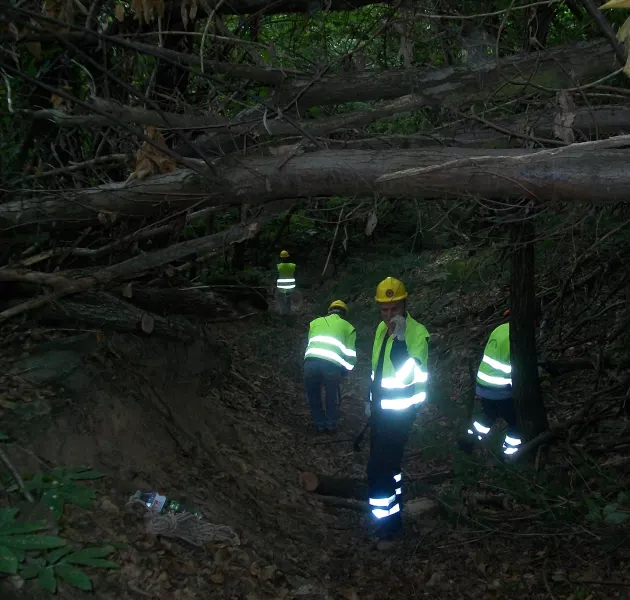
x=330 y=354
x=399 y=385
x=285 y=282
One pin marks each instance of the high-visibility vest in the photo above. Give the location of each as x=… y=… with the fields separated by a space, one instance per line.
x=286 y=277
x=333 y=339
x=398 y=390
x=495 y=370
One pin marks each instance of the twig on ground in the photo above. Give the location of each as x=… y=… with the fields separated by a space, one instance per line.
x=16 y=476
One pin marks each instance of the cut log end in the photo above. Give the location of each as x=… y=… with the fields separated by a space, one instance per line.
x=421 y=507
x=147 y=323
x=309 y=481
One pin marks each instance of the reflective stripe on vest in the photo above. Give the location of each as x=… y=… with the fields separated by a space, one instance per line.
x=320 y=346
x=492 y=371
x=286 y=276
x=285 y=284
x=407 y=388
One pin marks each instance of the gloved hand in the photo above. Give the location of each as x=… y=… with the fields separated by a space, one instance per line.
x=368 y=410
x=400 y=325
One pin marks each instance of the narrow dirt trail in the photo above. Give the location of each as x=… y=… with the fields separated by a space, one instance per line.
x=334 y=542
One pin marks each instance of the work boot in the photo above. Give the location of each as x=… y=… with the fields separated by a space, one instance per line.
x=389 y=530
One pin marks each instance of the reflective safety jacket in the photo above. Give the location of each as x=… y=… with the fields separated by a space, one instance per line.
x=494 y=377
x=401 y=381
x=333 y=339
x=286 y=277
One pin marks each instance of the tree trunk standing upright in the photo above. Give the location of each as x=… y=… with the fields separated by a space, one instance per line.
x=530 y=410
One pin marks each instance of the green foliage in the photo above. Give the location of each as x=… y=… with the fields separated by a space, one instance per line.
x=610 y=513
x=541 y=490
x=61 y=564
x=28 y=550
x=60 y=486
x=476 y=269
x=16 y=539
x=405 y=124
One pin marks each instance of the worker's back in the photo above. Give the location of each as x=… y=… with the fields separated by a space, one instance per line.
x=494 y=377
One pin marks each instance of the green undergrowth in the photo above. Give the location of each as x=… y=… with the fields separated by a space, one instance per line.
x=30 y=545
x=552 y=497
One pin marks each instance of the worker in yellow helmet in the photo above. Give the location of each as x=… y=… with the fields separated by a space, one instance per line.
x=285 y=282
x=493 y=388
x=330 y=354
x=399 y=385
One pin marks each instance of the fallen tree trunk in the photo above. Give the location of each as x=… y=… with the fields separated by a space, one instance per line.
x=591 y=172
x=567 y=174
x=507 y=132
x=189 y=302
x=452 y=86
x=101 y=310
x=556 y=68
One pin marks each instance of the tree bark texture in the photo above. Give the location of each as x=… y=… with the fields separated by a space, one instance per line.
x=556 y=68
x=530 y=409
x=591 y=172
x=102 y=310
x=589 y=122
x=170 y=301
x=455 y=87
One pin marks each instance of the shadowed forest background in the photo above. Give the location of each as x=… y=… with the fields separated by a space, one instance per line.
x=155 y=158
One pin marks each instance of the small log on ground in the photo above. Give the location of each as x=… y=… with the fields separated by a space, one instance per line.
x=413 y=509
x=354 y=488
x=342 y=487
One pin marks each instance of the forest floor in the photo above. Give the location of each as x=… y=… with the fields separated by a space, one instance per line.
x=555 y=527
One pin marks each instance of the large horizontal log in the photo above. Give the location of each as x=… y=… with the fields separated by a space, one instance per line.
x=195 y=301
x=588 y=172
x=560 y=67
x=507 y=132
x=102 y=310
x=179 y=190
x=588 y=123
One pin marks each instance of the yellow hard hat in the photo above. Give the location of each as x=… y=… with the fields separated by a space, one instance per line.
x=284 y=254
x=338 y=304
x=390 y=290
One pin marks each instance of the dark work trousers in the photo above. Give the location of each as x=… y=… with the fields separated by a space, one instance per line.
x=318 y=372
x=284 y=300
x=390 y=430
x=493 y=409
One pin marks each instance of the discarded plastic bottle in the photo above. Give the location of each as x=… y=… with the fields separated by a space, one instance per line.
x=159 y=503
